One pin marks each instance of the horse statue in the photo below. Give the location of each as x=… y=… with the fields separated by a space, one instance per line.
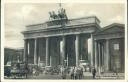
x=53 y=15
x=61 y=14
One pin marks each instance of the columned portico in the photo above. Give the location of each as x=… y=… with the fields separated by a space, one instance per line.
x=74 y=36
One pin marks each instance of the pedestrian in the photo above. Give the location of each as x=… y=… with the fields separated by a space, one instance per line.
x=75 y=73
x=63 y=72
x=72 y=72
x=81 y=73
x=78 y=72
x=94 y=72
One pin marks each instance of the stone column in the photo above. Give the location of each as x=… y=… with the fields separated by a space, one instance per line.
x=107 y=54
x=77 y=50
x=50 y=60
x=99 y=50
x=25 y=44
x=35 y=52
x=38 y=60
x=63 y=49
x=92 y=50
x=25 y=51
x=47 y=51
x=102 y=59
x=96 y=54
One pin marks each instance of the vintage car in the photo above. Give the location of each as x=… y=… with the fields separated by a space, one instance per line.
x=7 y=71
x=19 y=70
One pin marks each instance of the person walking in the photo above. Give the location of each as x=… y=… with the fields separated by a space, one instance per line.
x=94 y=72
x=81 y=73
x=72 y=72
x=63 y=72
x=76 y=73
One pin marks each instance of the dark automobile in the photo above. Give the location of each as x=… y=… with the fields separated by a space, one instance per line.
x=19 y=70
x=7 y=70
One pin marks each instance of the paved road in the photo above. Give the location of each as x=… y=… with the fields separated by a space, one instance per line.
x=58 y=76
x=87 y=76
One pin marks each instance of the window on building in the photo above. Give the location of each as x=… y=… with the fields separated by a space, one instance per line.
x=116 y=46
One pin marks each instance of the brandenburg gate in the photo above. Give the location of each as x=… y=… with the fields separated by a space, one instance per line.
x=61 y=39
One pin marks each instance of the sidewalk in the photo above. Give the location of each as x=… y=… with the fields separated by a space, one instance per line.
x=87 y=74
x=110 y=76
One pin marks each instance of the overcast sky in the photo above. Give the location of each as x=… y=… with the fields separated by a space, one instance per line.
x=18 y=15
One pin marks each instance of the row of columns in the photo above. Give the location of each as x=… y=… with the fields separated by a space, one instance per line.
x=101 y=55
x=106 y=56
x=77 y=50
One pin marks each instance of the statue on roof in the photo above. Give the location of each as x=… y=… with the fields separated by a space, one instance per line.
x=53 y=15
x=60 y=15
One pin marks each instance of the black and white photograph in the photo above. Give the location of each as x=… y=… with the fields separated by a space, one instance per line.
x=64 y=41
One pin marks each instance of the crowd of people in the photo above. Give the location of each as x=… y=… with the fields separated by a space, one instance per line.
x=74 y=72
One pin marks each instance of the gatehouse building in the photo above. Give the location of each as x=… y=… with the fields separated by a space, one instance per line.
x=64 y=41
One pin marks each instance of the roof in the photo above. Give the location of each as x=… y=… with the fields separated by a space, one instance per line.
x=71 y=22
x=112 y=28
x=112 y=25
